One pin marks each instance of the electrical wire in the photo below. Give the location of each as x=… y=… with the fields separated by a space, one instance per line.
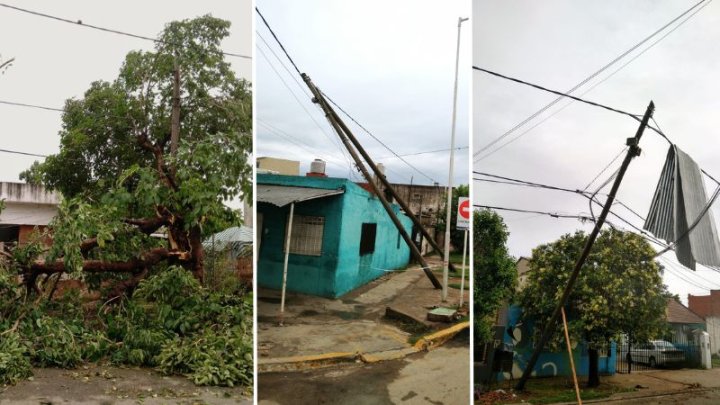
x=278 y=41
x=79 y=23
x=376 y=138
x=22 y=153
x=297 y=99
x=282 y=47
x=423 y=153
x=13 y=103
x=598 y=72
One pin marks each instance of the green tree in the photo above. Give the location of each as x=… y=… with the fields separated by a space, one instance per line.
x=493 y=269
x=118 y=173
x=619 y=291
x=456 y=236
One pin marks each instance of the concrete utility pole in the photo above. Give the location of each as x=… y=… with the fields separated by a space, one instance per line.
x=446 y=258
x=633 y=150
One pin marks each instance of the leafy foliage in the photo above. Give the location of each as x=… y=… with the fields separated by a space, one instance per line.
x=14 y=362
x=171 y=323
x=122 y=180
x=456 y=235
x=619 y=290
x=494 y=270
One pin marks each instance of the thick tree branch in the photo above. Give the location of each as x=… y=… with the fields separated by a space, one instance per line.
x=147 y=259
x=144 y=225
x=160 y=165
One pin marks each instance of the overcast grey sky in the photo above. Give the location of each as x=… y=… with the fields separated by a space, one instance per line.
x=389 y=64
x=559 y=43
x=55 y=61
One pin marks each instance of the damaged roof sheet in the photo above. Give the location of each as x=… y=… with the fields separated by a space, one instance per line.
x=284 y=195
x=679 y=202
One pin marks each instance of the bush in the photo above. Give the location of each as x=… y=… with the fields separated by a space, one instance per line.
x=14 y=361
x=54 y=343
x=216 y=357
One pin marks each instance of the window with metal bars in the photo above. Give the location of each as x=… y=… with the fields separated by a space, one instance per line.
x=307 y=235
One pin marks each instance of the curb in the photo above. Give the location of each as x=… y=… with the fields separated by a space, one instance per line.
x=435 y=340
x=300 y=363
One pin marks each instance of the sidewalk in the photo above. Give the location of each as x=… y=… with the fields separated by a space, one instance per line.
x=320 y=331
x=648 y=384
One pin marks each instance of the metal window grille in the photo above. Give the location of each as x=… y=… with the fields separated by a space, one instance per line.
x=307 y=235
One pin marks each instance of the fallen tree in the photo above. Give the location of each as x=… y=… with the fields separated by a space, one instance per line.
x=146 y=166
x=161 y=148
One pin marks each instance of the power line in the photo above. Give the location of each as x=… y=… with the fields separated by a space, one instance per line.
x=376 y=138
x=328 y=136
x=559 y=93
x=595 y=74
x=423 y=153
x=282 y=47
x=548 y=213
x=13 y=103
x=680 y=268
x=278 y=41
x=22 y=153
x=79 y=23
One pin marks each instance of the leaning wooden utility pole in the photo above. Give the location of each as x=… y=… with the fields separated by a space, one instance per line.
x=633 y=150
x=345 y=136
x=405 y=207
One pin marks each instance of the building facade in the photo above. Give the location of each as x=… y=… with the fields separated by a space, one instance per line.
x=27 y=207
x=341 y=236
x=708 y=307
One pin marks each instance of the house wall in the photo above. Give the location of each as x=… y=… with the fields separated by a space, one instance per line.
x=549 y=364
x=340 y=269
x=27 y=213
x=282 y=166
x=313 y=275
x=705 y=305
x=391 y=252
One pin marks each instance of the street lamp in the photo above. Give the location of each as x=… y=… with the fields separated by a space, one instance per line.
x=446 y=259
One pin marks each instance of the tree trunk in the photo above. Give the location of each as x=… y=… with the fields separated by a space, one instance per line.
x=198 y=254
x=593 y=372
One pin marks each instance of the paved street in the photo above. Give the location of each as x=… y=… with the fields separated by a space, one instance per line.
x=437 y=377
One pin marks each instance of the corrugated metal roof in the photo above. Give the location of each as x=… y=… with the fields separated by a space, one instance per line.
x=285 y=195
x=237 y=237
x=680 y=200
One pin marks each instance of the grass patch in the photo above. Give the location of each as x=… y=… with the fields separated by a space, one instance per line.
x=715 y=362
x=457 y=286
x=549 y=391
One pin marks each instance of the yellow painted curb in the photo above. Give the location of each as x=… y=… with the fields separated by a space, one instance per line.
x=387 y=355
x=436 y=339
x=305 y=362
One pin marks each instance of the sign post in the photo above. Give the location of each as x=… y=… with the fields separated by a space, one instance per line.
x=463 y=222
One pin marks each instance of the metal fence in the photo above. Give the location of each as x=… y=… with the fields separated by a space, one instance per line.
x=677 y=351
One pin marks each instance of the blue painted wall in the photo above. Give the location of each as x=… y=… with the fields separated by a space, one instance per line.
x=340 y=268
x=549 y=364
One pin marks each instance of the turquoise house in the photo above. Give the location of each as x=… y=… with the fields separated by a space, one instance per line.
x=518 y=339
x=341 y=236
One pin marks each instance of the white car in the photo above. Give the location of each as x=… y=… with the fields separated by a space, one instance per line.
x=657 y=353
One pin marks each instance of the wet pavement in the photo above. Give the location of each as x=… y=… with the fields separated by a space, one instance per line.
x=437 y=377
x=354 y=323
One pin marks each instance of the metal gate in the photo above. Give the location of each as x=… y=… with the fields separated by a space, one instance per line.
x=676 y=351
